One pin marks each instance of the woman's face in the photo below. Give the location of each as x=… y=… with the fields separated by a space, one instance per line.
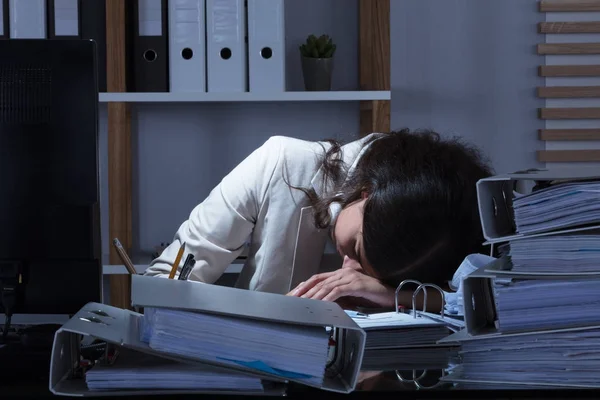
x=347 y=235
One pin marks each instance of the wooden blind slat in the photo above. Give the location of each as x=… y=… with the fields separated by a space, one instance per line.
x=569 y=5
x=569 y=155
x=570 y=113
x=573 y=92
x=568 y=48
x=569 y=70
x=569 y=27
x=569 y=134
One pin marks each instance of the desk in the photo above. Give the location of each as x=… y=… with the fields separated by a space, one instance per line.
x=373 y=383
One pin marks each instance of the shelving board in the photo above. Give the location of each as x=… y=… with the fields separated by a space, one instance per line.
x=234 y=268
x=199 y=97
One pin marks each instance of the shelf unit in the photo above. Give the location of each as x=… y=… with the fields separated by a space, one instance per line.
x=234 y=268
x=195 y=97
x=374 y=97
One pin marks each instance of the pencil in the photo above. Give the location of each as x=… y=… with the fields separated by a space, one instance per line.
x=124 y=257
x=177 y=261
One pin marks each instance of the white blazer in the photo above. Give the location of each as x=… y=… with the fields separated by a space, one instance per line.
x=254 y=201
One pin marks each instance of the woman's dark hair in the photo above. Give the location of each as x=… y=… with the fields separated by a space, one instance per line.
x=421 y=216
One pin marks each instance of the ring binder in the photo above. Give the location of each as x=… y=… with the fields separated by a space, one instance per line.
x=498 y=220
x=400 y=287
x=416 y=292
x=423 y=286
x=403 y=380
x=416 y=380
x=436 y=385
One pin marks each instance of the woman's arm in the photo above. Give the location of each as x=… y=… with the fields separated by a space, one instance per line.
x=217 y=228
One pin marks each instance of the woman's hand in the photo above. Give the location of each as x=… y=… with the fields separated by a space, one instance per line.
x=345 y=282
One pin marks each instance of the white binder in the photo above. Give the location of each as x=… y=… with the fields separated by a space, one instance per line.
x=187 y=46
x=27 y=19
x=266 y=45
x=120 y=329
x=66 y=18
x=226 y=46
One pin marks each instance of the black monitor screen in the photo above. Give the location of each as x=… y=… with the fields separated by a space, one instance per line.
x=49 y=200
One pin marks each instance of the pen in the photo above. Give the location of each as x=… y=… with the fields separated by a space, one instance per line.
x=187 y=267
x=177 y=261
x=124 y=257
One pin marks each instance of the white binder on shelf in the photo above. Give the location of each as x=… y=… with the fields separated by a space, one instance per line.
x=226 y=46
x=187 y=45
x=266 y=45
x=27 y=19
x=63 y=19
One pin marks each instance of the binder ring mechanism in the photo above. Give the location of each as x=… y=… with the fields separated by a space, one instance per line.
x=415 y=380
x=421 y=286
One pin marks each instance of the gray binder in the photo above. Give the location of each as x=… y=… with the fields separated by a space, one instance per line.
x=495 y=198
x=340 y=377
x=119 y=328
x=481 y=317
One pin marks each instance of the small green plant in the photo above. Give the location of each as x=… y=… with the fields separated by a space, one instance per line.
x=318 y=47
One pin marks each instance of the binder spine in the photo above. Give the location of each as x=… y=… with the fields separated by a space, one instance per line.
x=27 y=19
x=226 y=46
x=92 y=14
x=187 y=45
x=266 y=45
x=4 y=20
x=63 y=20
x=149 y=45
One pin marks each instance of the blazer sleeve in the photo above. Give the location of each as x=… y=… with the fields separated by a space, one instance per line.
x=217 y=228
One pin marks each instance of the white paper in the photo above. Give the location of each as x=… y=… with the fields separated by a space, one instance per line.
x=454 y=300
x=559 y=206
x=395 y=330
x=570 y=358
x=296 y=350
x=140 y=371
x=545 y=304
x=567 y=254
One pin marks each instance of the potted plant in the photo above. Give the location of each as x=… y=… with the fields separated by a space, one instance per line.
x=317 y=62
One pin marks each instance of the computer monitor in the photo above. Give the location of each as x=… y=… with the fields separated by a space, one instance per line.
x=49 y=194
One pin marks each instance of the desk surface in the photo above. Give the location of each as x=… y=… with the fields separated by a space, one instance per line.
x=370 y=382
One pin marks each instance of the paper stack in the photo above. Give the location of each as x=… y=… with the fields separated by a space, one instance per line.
x=564 y=254
x=139 y=371
x=558 y=206
x=397 y=340
x=297 y=352
x=533 y=320
x=559 y=358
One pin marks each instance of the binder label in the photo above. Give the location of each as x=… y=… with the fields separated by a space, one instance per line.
x=150 y=17
x=66 y=18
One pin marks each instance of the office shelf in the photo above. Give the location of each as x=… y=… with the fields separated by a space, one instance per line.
x=200 y=97
x=234 y=268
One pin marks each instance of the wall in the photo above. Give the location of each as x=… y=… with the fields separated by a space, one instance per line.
x=469 y=68
x=462 y=67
